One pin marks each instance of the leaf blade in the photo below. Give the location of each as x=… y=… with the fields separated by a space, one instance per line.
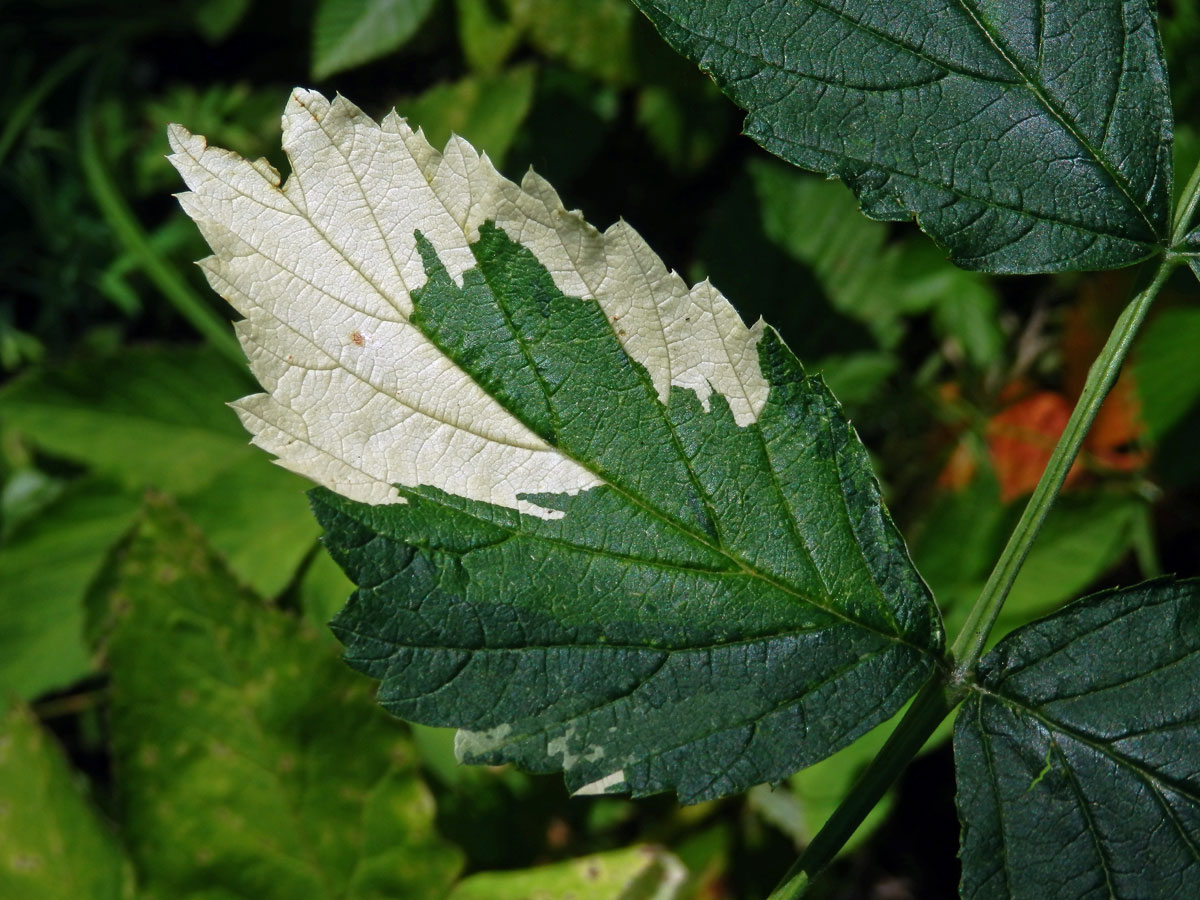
x=1074 y=760
x=954 y=113
x=346 y=35
x=55 y=844
x=577 y=481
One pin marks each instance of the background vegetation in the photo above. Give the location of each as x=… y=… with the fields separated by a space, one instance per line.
x=173 y=718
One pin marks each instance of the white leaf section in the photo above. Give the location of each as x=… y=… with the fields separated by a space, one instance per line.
x=323 y=267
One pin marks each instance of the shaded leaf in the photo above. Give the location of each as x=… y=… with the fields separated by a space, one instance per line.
x=251 y=762
x=590 y=36
x=639 y=873
x=323 y=590
x=864 y=272
x=54 y=845
x=596 y=522
x=1023 y=138
x=1084 y=536
x=46 y=567
x=1077 y=771
x=348 y=33
x=486 y=37
x=147 y=416
x=1167 y=377
x=157 y=418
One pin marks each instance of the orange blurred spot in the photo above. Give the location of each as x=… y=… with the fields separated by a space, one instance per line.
x=1020 y=439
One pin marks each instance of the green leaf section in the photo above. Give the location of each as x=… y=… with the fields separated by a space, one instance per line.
x=156 y=418
x=1168 y=384
x=732 y=604
x=1024 y=138
x=348 y=33
x=591 y=36
x=52 y=844
x=636 y=873
x=46 y=566
x=251 y=762
x=1077 y=770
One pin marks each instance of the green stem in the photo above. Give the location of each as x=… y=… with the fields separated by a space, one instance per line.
x=129 y=231
x=1187 y=207
x=932 y=704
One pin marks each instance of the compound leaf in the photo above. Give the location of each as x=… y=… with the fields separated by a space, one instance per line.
x=1077 y=767
x=596 y=522
x=1025 y=137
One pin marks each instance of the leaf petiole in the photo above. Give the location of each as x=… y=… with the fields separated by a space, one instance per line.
x=931 y=705
x=969 y=645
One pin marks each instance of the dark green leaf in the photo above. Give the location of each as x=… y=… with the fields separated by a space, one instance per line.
x=1077 y=767
x=1024 y=138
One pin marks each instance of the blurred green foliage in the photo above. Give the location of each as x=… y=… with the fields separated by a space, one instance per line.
x=160 y=579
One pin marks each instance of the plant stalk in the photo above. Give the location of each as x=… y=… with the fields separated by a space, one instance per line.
x=932 y=704
x=972 y=639
x=946 y=689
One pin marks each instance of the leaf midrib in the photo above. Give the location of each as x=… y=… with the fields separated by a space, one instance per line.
x=1038 y=90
